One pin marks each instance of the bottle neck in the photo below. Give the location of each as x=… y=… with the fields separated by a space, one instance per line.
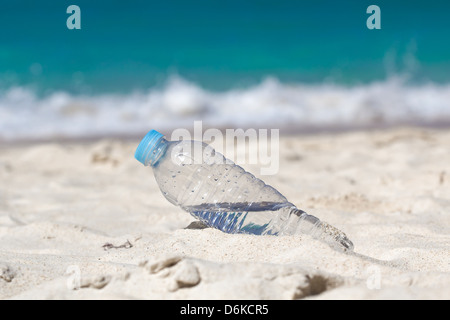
x=158 y=152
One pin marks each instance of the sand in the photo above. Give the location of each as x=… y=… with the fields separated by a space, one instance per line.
x=87 y=221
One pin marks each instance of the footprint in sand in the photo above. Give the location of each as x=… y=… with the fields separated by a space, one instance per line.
x=6 y=273
x=183 y=272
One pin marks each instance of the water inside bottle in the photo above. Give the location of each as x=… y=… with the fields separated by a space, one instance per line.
x=268 y=218
x=252 y=218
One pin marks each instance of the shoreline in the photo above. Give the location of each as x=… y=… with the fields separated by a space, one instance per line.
x=288 y=130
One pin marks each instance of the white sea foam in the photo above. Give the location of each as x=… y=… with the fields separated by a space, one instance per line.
x=24 y=115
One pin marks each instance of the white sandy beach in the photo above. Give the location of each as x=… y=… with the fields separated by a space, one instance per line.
x=87 y=221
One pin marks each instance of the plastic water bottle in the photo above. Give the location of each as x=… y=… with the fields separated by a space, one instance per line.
x=223 y=195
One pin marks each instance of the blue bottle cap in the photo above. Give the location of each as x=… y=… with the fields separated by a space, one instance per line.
x=146 y=148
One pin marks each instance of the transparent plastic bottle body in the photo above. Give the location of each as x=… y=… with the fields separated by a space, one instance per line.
x=223 y=195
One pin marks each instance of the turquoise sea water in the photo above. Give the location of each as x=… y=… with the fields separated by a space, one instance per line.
x=124 y=45
x=150 y=55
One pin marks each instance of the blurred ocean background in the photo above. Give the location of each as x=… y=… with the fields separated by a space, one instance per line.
x=293 y=65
